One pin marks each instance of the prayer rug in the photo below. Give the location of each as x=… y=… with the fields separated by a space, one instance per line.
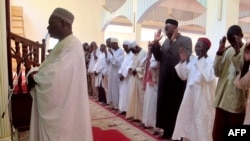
x=113 y=127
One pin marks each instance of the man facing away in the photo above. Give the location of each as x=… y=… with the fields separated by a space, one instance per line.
x=170 y=88
x=60 y=108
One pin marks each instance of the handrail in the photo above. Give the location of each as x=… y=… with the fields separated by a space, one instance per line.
x=25 y=51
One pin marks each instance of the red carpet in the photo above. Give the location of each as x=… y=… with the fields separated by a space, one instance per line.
x=108 y=135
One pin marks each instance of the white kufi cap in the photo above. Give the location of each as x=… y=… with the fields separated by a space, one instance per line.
x=126 y=42
x=113 y=40
x=132 y=44
x=63 y=14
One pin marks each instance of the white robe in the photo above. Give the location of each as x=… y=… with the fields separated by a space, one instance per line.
x=60 y=108
x=196 y=114
x=124 y=85
x=101 y=68
x=136 y=92
x=113 y=76
x=150 y=96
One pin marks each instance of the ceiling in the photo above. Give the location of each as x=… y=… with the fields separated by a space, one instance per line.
x=178 y=9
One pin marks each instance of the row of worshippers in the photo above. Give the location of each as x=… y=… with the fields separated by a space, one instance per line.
x=120 y=81
x=137 y=77
x=142 y=93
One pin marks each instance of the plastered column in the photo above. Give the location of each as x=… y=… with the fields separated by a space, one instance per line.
x=221 y=14
x=4 y=122
x=136 y=26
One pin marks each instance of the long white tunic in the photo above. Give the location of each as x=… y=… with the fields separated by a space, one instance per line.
x=150 y=96
x=196 y=113
x=60 y=108
x=136 y=92
x=92 y=60
x=113 y=76
x=101 y=68
x=124 y=85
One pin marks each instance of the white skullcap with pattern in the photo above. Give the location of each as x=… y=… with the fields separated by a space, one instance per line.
x=113 y=40
x=126 y=42
x=132 y=44
x=63 y=14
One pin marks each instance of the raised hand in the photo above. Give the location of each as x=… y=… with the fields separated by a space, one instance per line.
x=222 y=47
x=173 y=37
x=183 y=54
x=158 y=36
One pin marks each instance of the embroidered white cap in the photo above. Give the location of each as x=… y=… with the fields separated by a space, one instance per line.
x=63 y=14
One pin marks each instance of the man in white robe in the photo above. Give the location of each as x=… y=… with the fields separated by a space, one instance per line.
x=101 y=70
x=136 y=92
x=60 y=108
x=115 y=58
x=196 y=114
x=124 y=78
x=150 y=84
x=94 y=52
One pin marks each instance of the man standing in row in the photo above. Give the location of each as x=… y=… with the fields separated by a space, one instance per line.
x=115 y=58
x=136 y=93
x=171 y=88
x=125 y=77
x=230 y=102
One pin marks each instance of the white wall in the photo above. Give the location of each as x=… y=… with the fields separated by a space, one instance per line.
x=147 y=34
x=87 y=24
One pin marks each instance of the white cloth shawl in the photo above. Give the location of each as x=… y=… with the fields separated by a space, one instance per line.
x=60 y=109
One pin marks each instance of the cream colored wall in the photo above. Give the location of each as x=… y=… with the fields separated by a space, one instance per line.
x=147 y=34
x=87 y=14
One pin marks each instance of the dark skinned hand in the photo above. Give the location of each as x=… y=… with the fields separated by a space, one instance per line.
x=222 y=47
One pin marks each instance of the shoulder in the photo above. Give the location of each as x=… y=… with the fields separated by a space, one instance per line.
x=185 y=38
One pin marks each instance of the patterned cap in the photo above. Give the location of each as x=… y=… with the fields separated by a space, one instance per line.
x=63 y=14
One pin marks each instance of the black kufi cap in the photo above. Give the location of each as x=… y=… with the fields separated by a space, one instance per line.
x=172 y=21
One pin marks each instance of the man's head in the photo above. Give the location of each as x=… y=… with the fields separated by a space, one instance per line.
x=114 y=43
x=202 y=46
x=60 y=23
x=85 y=46
x=134 y=47
x=170 y=26
x=125 y=45
x=93 y=46
x=234 y=35
x=108 y=44
x=103 y=48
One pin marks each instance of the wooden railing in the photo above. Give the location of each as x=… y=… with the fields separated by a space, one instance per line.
x=25 y=54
